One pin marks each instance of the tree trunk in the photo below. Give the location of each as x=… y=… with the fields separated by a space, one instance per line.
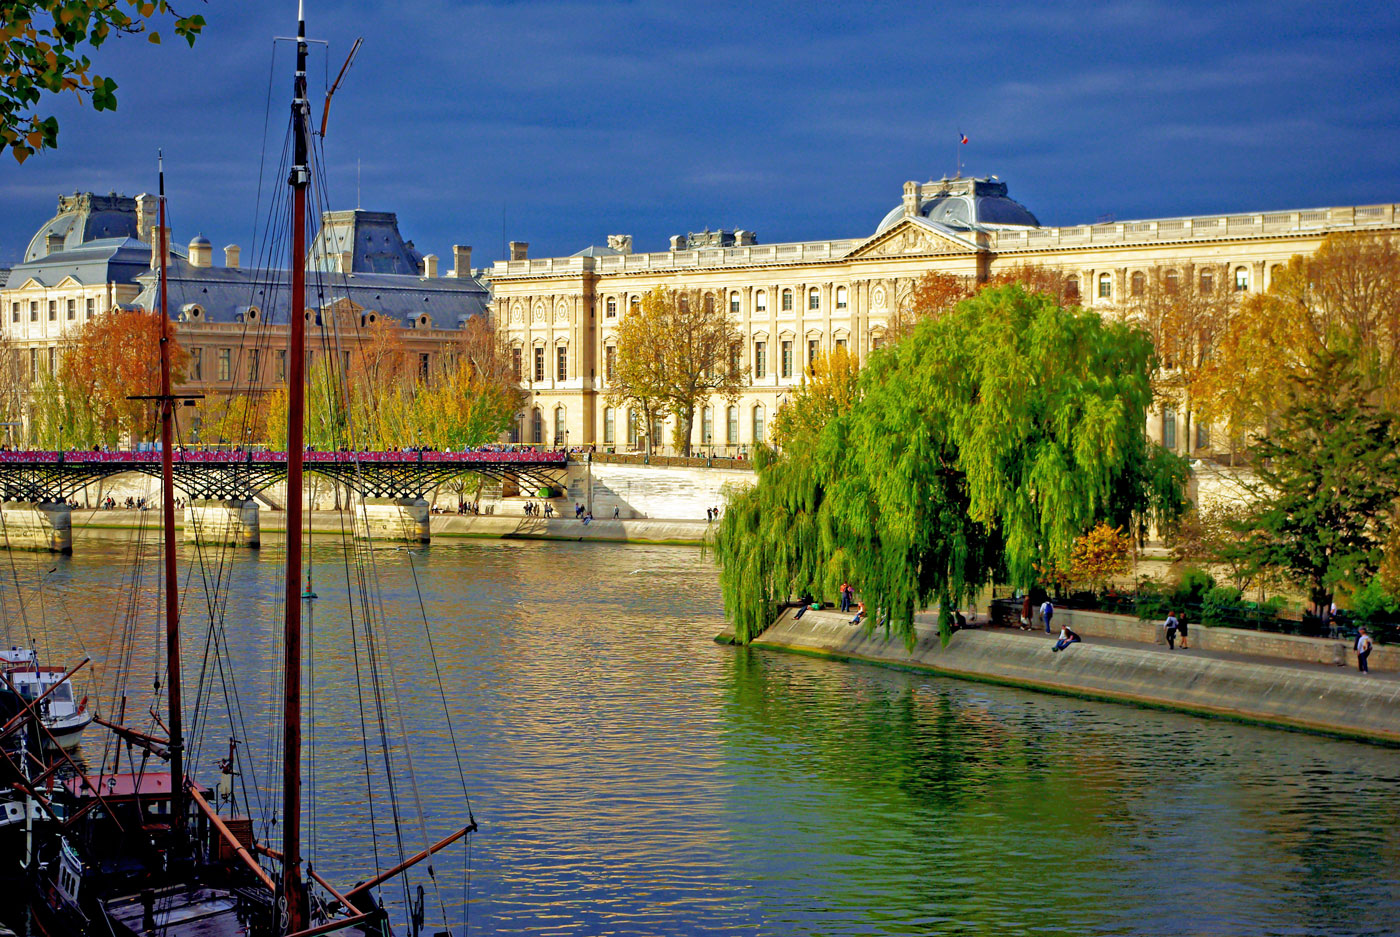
x=687 y=428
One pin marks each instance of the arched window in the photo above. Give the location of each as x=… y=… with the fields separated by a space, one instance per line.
x=787 y=300
x=1105 y=286
x=536 y=425
x=658 y=431
x=1071 y=288
x=612 y=308
x=734 y=302
x=1169 y=429
x=634 y=304
x=1170 y=280
x=760 y=301
x=1207 y=281
x=560 y=432
x=609 y=426
x=731 y=430
x=709 y=302
x=1139 y=283
x=707 y=426
x=632 y=424
x=758 y=423
x=1273 y=273
x=841 y=297
x=1241 y=279
x=814 y=298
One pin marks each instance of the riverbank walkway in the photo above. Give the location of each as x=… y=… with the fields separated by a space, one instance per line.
x=1290 y=693
x=979 y=623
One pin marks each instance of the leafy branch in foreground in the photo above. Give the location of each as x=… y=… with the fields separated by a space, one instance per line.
x=42 y=45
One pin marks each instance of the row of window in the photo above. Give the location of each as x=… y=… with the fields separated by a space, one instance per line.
x=1171 y=280
x=758 y=417
x=223 y=364
x=561 y=364
x=787 y=299
x=70 y=307
x=760 y=358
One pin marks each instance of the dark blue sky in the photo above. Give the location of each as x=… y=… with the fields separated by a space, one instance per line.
x=795 y=120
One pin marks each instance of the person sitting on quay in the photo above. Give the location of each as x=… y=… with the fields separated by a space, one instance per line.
x=860 y=614
x=1067 y=637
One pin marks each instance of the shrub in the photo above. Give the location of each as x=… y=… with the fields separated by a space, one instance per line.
x=1221 y=606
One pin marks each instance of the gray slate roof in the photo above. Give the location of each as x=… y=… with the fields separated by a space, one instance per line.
x=224 y=294
x=106 y=260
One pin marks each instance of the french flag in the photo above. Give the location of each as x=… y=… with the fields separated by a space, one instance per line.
x=963 y=137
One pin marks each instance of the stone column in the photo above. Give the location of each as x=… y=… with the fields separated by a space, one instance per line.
x=393 y=519
x=235 y=522
x=38 y=525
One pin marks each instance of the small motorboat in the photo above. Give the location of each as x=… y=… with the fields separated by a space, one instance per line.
x=64 y=719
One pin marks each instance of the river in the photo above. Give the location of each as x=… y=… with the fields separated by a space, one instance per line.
x=632 y=777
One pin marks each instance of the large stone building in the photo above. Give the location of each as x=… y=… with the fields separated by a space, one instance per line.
x=95 y=255
x=793 y=301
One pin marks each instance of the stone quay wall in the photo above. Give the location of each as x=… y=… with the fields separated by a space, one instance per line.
x=1339 y=702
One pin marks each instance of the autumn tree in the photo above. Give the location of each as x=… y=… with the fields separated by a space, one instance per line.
x=1186 y=312
x=112 y=358
x=981 y=446
x=702 y=349
x=45 y=47
x=474 y=396
x=1346 y=295
x=1101 y=553
x=1061 y=287
x=934 y=295
x=675 y=350
x=829 y=390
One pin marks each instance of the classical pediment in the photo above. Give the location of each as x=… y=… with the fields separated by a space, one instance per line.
x=913 y=237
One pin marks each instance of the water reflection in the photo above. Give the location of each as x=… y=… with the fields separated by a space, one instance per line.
x=632 y=777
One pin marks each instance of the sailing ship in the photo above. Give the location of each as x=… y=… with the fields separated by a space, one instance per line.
x=146 y=851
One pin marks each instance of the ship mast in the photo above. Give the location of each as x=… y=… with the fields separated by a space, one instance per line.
x=293 y=889
x=167 y=483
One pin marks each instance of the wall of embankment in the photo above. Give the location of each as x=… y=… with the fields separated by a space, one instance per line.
x=1385 y=657
x=1334 y=702
x=447 y=526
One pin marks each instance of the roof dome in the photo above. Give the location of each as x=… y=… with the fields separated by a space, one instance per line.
x=966 y=204
x=85 y=217
x=201 y=241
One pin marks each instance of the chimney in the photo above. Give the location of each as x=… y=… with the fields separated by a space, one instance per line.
x=430 y=266
x=201 y=252
x=622 y=243
x=744 y=238
x=231 y=253
x=461 y=260
x=153 y=238
x=519 y=250
x=346 y=261
x=147 y=213
x=53 y=243
x=678 y=242
x=913 y=198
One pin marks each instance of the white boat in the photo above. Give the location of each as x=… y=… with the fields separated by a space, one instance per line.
x=64 y=719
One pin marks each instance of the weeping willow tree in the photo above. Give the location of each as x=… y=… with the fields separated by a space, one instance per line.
x=978 y=447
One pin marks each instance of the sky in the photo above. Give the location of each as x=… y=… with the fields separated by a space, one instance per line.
x=558 y=123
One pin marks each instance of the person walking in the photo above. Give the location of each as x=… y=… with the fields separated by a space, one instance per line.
x=1170 y=626
x=1047 y=612
x=1363 y=650
x=1026 y=612
x=1181 y=631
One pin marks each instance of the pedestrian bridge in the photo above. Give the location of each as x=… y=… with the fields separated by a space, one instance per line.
x=35 y=486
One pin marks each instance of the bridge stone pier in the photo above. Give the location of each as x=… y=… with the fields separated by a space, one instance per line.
x=403 y=519
x=38 y=525
x=234 y=522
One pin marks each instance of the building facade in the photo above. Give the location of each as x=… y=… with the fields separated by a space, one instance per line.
x=791 y=302
x=95 y=256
